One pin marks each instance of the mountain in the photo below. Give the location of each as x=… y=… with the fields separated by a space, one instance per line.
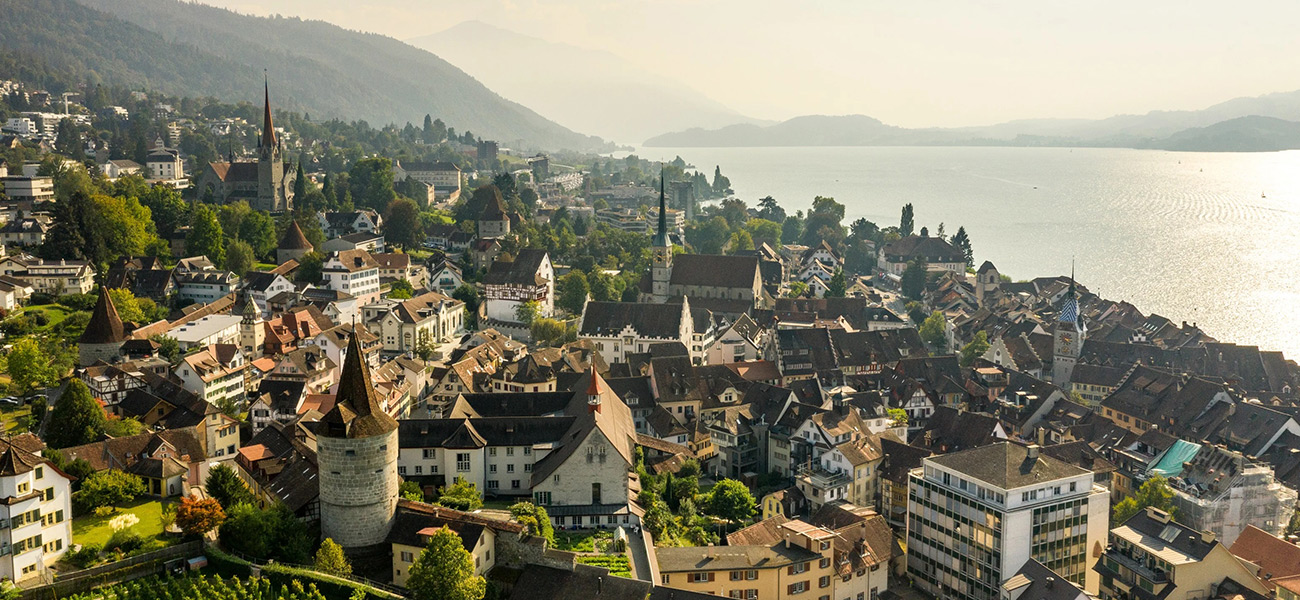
x=1243 y=134
x=1226 y=127
x=586 y=90
x=190 y=49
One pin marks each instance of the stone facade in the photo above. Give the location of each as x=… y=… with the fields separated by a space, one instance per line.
x=89 y=354
x=358 y=488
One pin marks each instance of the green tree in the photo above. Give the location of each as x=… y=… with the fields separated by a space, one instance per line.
x=401 y=290
x=118 y=427
x=259 y=232
x=763 y=231
x=907 y=224
x=740 y=241
x=107 y=488
x=710 y=236
x=961 y=241
x=975 y=349
x=272 y=533
x=371 y=181
x=898 y=416
x=527 y=312
x=168 y=347
x=837 y=286
x=402 y=224
x=823 y=222
x=913 y=280
x=933 y=331
x=549 y=332
x=76 y=419
x=461 y=495
x=29 y=367
x=769 y=209
x=571 y=291
x=445 y=571
x=731 y=500
x=798 y=289
x=309 y=268
x=240 y=257
x=205 y=236
x=411 y=490
x=330 y=559
x=1153 y=492
x=125 y=226
x=225 y=486
x=534 y=518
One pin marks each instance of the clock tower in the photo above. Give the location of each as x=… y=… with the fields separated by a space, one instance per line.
x=661 y=270
x=1068 y=339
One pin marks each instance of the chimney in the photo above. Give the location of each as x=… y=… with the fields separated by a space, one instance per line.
x=1050 y=581
x=600 y=584
x=1208 y=536
x=1157 y=514
x=1031 y=452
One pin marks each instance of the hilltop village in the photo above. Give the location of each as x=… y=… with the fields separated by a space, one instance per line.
x=602 y=379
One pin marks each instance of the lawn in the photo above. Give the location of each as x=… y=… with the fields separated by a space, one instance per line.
x=92 y=530
x=583 y=540
x=53 y=312
x=617 y=565
x=12 y=418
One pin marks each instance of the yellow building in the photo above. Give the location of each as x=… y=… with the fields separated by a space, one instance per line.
x=800 y=566
x=415 y=523
x=1151 y=553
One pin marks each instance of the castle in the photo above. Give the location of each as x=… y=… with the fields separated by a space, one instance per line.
x=266 y=184
x=356 y=450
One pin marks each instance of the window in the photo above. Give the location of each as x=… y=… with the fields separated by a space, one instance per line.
x=430 y=453
x=595 y=493
x=462 y=462
x=798 y=588
x=492 y=451
x=492 y=468
x=401 y=470
x=510 y=451
x=492 y=484
x=514 y=484
x=528 y=451
x=419 y=469
x=701 y=577
x=408 y=557
x=825 y=562
x=799 y=568
x=528 y=468
x=825 y=581
x=510 y=468
x=22 y=488
x=40 y=472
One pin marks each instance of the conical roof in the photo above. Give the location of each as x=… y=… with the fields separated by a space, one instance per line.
x=294 y=239
x=268 y=128
x=661 y=234
x=12 y=463
x=495 y=209
x=357 y=412
x=105 y=327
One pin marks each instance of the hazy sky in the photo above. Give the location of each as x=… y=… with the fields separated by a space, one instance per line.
x=915 y=64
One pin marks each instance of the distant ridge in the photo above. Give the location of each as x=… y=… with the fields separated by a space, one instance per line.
x=190 y=49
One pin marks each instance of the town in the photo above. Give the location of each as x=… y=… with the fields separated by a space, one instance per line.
x=415 y=363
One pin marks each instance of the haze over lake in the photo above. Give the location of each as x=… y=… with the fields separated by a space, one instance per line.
x=1210 y=238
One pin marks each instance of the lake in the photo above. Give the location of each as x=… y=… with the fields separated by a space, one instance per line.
x=1210 y=238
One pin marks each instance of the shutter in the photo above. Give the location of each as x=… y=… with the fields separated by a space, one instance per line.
x=789 y=570
x=711 y=577
x=789 y=589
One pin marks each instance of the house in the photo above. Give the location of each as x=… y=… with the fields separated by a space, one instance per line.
x=36 y=511
x=1274 y=557
x=279 y=466
x=169 y=461
x=293 y=328
x=207 y=330
x=25 y=231
x=416 y=324
x=339 y=224
x=1164 y=558
x=53 y=277
x=741 y=341
x=415 y=523
x=164 y=404
x=203 y=284
x=113 y=169
x=621 y=329
x=443 y=176
x=530 y=277
x=364 y=241
x=936 y=253
x=262 y=286
x=398 y=266
x=14 y=292
x=215 y=373
x=164 y=163
x=445 y=277
x=352 y=272
x=799 y=563
x=1037 y=582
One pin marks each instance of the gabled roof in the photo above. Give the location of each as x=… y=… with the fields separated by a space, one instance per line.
x=1276 y=557
x=930 y=249
x=715 y=270
x=525 y=269
x=648 y=319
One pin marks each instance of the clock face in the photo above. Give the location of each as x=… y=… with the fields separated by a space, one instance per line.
x=1067 y=338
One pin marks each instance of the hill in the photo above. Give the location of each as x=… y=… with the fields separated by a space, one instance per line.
x=586 y=90
x=1244 y=134
x=191 y=49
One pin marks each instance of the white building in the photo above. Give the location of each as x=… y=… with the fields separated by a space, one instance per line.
x=738 y=342
x=209 y=330
x=937 y=254
x=408 y=325
x=975 y=517
x=529 y=277
x=36 y=511
x=54 y=277
x=214 y=373
x=353 y=272
x=620 y=329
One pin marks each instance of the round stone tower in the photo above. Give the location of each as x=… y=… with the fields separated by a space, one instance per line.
x=356 y=451
x=104 y=333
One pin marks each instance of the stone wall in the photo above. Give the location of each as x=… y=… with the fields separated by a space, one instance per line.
x=88 y=354
x=517 y=550
x=358 y=488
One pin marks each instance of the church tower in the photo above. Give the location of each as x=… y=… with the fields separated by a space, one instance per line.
x=274 y=191
x=356 y=449
x=661 y=272
x=1068 y=338
x=251 y=332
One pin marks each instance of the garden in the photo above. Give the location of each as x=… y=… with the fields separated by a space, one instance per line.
x=131 y=528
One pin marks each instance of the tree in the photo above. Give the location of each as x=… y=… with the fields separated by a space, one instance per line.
x=309 y=268
x=721 y=185
x=371 y=181
x=239 y=257
x=225 y=486
x=272 y=533
x=1153 y=492
x=106 y=488
x=402 y=223
x=548 y=332
x=710 y=236
x=571 y=291
x=168 y=347
x=933 y=331
x=445 y=571
x=461 y=495
x=411 y=490
x=731 y=500
x=961 y=241
x=205 y=238
x=913 y=280
x=401 y=290
x=740 y=241
x=797 y=289
x=125 y=226
x=29 y=367
x=330 y=559
x=535 y=519
x=76 y=419
x=837 y=286
x=299 y=183
x=907 y=223
x=527 y=312
x=118 y=427
x=259 y=231
x=975 y=349
x=769 y=209
x=826 y=214
x=763 y=231
x=898 y=416
x=197 y=517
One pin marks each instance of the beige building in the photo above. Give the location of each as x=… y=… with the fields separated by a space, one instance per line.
x=800 y=565
x=1152 y=556
x=407 y=325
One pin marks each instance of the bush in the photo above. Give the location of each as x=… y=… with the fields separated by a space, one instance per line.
x=41 y=319
x=124 y=541
x=104 y=511
x=85 y=557
x=72 y=301
x=41 y=298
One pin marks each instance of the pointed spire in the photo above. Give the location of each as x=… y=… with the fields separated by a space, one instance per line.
x=105 y=326
x=593 y=391
x=268 y=128
x=357 y=412
x=294 y=238
x=661 y=238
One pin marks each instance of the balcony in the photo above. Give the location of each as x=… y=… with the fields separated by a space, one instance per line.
x=1131 y=566
x=821 y=478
